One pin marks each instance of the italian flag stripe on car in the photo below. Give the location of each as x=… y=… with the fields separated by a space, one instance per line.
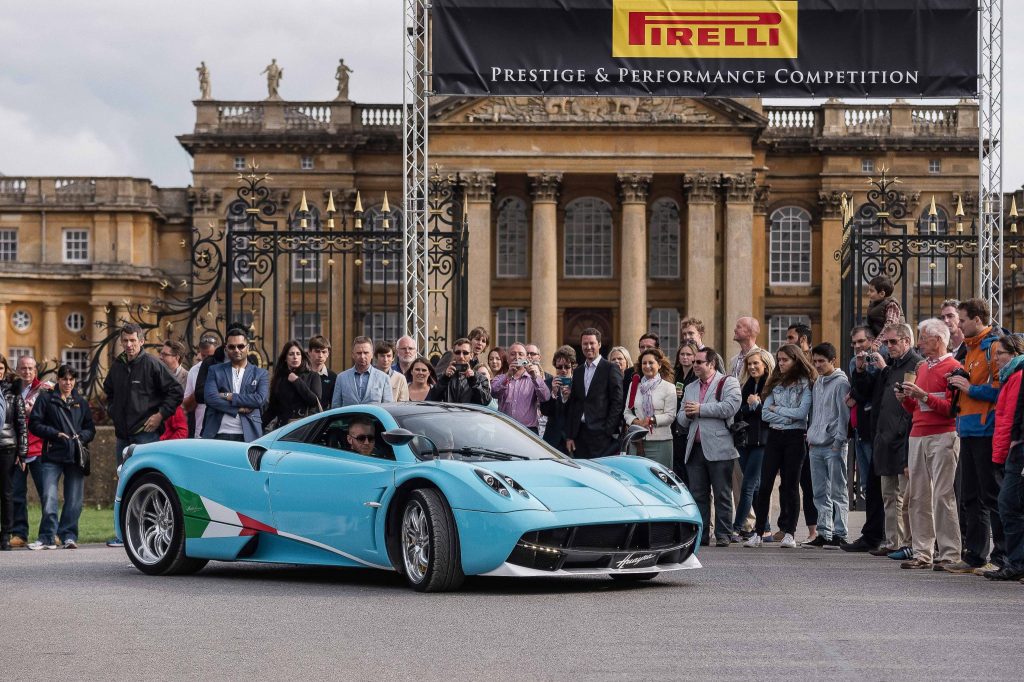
x=205 y=518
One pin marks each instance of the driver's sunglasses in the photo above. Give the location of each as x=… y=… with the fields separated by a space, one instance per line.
x=241 y=346
x=460 y=352
x=365 y=438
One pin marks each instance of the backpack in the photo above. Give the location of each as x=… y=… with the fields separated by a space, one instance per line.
x=738 y=429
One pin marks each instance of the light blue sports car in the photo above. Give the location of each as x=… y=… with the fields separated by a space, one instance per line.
x=431 y=490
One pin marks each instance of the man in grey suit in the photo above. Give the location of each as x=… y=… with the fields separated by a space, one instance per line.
x=362 y=383
x=709 y=405
x=235 y=392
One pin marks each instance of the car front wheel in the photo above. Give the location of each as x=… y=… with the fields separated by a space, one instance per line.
x=153 y=528
x=429 y=540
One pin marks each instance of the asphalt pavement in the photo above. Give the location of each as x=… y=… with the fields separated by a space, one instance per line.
x=768 y=614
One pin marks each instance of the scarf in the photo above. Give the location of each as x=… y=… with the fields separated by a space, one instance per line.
x=647 y=387
x=1009 y=368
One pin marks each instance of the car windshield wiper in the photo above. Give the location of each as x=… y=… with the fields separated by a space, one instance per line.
x=484 y=452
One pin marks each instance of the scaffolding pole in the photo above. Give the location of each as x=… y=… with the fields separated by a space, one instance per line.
x=415 y=91
x=990 y=156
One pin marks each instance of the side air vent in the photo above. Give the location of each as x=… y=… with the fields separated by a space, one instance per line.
x=255 y=454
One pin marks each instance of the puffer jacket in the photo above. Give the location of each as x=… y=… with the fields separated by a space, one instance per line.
x=14 y=431
x=51 y=416
x=1010 y=377
x=138 y=389
x=978 y=403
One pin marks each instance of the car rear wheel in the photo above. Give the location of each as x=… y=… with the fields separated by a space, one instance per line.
x=429 y=543
x=633 y=577
x=153 y=528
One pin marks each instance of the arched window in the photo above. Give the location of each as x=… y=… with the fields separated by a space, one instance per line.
x=588 y=238
x=663 y=240
x=382 y=255
x=512 y=235
x=790 y=261
x=933 y=268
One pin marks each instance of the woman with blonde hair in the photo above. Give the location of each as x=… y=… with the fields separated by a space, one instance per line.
x=757 y=365
x=653 y=406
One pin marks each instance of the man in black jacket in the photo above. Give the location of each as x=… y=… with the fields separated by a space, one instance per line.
x=140 y=395
x=595 y=402
x=556 y=410
x=891 y=426
x=458 y=382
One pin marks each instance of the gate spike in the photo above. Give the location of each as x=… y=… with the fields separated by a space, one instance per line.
x=303 y=209
x=358 y=212
x=385 y=210
x=1013 y=215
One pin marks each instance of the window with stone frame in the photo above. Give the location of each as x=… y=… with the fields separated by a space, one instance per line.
x=933 y=268
x=383 y=326
x=8 y=245
x=15 y=352
x=778 y=325
x=77 y=359
x=663 y=240
x=588 y=239
x=512 y=237
x=665 y=323
x=76 y=245
x=790 y=247
x=305 y=325
x=239 y=163
x=509 y=326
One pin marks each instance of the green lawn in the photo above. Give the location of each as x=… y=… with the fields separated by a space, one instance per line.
x=95 y=525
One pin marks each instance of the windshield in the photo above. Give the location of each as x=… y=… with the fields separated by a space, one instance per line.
x=475 y=435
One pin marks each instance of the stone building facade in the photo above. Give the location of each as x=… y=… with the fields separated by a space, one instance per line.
x=620 y=213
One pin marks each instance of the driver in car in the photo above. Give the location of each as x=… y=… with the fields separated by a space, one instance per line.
x=361 y=437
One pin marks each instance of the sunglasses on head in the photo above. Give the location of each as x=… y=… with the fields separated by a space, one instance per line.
x=364 y=438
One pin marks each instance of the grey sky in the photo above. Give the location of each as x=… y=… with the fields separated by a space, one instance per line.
x=103 y=87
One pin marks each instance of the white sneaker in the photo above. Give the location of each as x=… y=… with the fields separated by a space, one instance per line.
x=38 y=545
x=753 y=541
x=788 y=542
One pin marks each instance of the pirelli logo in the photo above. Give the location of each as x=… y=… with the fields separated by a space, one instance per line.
x=694 y=29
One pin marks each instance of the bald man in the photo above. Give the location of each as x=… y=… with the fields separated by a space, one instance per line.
x=745 y=334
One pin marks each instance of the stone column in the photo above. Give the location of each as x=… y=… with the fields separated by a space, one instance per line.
x=99 y=329
x=831 y=269
x=633 y=191
x=544 y=188
x=738 y=248
x=479 y=196
x=701 y=191
x=50 y=339
x=759 y=258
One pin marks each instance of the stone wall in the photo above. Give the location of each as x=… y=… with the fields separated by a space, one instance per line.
x=101 y=484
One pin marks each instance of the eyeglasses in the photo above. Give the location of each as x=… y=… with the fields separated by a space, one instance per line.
x=364 y=438
x=563 y=366
x=533 y=353
x=241 y=346
x=168 y=355
x=892 y=342
x=460 y=352
x=700 y=362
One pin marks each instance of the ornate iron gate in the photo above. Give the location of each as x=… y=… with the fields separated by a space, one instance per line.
x=929 y=261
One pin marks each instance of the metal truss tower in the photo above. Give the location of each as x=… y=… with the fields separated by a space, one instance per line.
x=990 y=155
x=415 y=93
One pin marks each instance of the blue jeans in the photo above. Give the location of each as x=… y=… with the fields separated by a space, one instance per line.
x=74 y=489
x=1011 y=509
x=864 y=452
x=750 y=465
x=120 y=445
x=831 y=495
x=19 y=481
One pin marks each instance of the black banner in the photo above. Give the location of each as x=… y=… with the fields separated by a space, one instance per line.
x=693 y=48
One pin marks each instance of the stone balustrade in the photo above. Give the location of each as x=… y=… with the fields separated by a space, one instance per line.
x=270 y=116
x=84 y=191
x=900 y=119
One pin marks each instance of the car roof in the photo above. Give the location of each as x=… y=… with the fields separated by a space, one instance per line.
x=404 y=409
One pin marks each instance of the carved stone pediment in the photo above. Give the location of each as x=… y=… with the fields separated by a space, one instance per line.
x=583 y=110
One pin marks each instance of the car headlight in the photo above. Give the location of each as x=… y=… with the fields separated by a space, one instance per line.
x=493 y=482
x=128 y=452
x=510 y=482
x=669 y=478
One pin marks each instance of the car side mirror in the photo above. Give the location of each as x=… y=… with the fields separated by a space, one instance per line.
x=402 y=436
x=633 y=434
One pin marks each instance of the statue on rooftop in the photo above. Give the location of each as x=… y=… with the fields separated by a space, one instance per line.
x=342 y=76
x=204 y=81
x=274 y=73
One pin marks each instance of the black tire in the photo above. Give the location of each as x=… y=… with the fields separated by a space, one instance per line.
x=442 y=569
x=633 y=577
x=150 y=489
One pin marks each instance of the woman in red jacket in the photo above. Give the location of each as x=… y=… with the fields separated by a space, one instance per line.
x=1008 y=353
x=176 y=427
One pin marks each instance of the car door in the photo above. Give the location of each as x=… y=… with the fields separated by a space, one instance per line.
x=324 y=495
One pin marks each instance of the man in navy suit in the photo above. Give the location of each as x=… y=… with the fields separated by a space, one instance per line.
x=362 y=383
x=595 y=402
x=235 y=392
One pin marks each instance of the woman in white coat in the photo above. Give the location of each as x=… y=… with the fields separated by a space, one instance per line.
x=651 y=402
